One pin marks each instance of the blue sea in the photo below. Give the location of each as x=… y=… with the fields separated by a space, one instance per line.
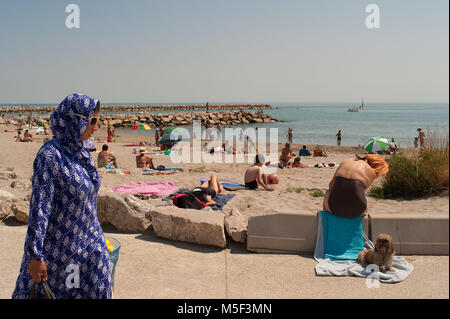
x=318 y=123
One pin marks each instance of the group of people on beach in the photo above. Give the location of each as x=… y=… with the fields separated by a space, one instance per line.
x=287 y=154
x=27 y=136
x=63 y=227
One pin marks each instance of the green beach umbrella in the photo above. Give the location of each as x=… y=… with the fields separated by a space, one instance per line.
x=376 y=144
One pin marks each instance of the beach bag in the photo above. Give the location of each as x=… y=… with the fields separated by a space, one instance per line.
x=318 y=152
x=161 y=168
x=48 y=294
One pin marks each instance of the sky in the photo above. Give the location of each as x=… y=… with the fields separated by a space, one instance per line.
x=240 y=51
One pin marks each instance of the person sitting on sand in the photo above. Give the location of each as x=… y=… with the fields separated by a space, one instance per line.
x=27 y=137
x=296 y=162
x=143 y=161
x=286 y=155
x=106 y=159
x=254 y=177
x=346 y=195
x=19 y=136
x=304 y=151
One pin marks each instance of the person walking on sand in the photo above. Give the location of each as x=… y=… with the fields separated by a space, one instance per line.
x=63 y=229
x=421 y=137
x=110 y=132
x=339 y=137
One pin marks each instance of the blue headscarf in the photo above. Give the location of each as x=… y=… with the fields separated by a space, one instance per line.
x=67 y=129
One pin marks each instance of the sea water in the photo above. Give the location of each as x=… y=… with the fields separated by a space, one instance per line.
x=318 y=123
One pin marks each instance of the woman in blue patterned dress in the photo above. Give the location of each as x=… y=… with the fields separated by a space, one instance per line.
x=64 y=240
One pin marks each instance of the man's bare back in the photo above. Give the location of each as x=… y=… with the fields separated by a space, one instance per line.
x=252 y=174
x=104 y=158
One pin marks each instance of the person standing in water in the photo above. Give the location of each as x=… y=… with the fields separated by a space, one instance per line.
x=339 y=137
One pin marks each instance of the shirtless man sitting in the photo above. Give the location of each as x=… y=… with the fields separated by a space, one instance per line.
x=105 y=158
x=253 y=176
x=143 y=161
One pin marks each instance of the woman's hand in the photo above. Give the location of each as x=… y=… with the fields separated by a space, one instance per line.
x=37 y=269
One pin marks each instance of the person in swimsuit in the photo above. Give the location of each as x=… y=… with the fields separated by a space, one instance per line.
x=143 y=161
x=208 y=190
x=253 y=176
x=106 y=159
x=346 y=195
x=199 y=197
x=285 y=156
x=339 y=137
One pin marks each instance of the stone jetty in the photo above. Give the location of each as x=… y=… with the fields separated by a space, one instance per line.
x=165 y=119
x=25 y=110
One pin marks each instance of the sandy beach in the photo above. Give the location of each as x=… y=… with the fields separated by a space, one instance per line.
x=224 y=277
x=20 y=156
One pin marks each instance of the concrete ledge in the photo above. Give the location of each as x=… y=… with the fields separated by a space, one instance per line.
x=414 y=234
x=282 y=233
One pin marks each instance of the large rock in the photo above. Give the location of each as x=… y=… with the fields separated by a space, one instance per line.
x=6 y=201
x=125 y=212
x=236 y=226
x=21 y=211
x=204 y=226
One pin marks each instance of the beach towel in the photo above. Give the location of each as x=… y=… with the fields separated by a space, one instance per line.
x=156 y=188
x=162 y=169
x=229 y=186
x=161 y=173
x=350 y=267
x=221 y=199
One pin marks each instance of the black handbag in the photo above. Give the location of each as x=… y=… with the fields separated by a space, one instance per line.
x=48 y=294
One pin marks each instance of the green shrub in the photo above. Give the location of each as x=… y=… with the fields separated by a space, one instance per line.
x=317 y=193
x=417 y=173
x=294 y=189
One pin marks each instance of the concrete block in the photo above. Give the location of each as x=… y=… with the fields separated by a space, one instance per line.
x=414 y=234
x=205 y=227
x=287 y=232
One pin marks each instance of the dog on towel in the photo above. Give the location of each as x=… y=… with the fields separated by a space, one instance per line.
x=382 y=255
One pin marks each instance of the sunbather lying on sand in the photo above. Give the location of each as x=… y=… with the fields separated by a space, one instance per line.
x=208 y=190
x=200 y=197
x=253 y=176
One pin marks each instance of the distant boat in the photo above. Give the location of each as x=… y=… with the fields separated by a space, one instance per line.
x=356 y=109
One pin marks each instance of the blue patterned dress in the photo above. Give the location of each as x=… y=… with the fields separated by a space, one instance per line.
x=63 y=229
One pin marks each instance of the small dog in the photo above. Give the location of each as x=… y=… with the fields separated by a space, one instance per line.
x=382 y=255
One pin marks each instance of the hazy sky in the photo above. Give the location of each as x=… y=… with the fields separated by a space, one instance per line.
x=227 y=51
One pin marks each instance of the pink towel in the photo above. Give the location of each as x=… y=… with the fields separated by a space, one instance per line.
x=157 y=188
